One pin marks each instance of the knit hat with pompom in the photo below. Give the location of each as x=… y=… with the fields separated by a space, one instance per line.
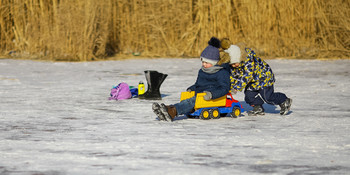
x=235 y=54
x=211 y=53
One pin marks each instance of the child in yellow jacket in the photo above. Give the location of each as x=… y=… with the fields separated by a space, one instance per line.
x=253 y=75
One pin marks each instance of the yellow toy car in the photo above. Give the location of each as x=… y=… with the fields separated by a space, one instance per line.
x=214 y=109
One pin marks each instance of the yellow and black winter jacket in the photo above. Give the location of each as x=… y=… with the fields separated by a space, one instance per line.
x=253 y=73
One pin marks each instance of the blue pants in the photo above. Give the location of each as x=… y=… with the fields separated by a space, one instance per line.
x=267 y=94
x=185 y=106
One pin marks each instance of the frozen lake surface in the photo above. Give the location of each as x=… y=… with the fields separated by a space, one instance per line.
x=56 y=119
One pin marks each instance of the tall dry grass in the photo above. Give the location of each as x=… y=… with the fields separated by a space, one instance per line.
x=54 y=29
x=83 y=30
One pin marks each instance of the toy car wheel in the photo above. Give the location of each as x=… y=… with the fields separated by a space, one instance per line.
x=215 y=114
x=236 y=112
x=205 y=114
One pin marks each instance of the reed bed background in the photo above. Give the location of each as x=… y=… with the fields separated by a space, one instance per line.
x=84 y=30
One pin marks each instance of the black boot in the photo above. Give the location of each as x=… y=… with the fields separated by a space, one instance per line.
x=154 y=81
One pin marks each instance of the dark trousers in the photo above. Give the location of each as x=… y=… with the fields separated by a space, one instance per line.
x=267 y=94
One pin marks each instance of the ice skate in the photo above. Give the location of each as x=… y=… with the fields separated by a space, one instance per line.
x=156 y=109
x=285 y=106
x=257 y=110
x=168 y=111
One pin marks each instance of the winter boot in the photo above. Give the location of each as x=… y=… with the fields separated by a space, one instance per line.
x=156 y=109
x=154 y=81
x=257 y=110
x=285 y=106
x=169 y=112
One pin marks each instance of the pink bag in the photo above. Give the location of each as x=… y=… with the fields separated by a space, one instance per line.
x=120 y=92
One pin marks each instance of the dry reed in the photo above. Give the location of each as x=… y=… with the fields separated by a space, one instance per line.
x=83 y=30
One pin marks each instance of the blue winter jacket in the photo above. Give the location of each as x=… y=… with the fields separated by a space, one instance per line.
x=217 y=83
x=253 y=72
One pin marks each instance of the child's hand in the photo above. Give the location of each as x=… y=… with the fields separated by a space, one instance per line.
x=207 y=95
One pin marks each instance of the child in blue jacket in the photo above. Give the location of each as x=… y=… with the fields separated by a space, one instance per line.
x=212 y=79
x=253 y=75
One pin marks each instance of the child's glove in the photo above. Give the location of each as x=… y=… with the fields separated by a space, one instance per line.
x=207 y=95
x=233 y=91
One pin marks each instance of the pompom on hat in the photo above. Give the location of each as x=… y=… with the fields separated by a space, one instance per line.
x=225 y=43
x=211 y=53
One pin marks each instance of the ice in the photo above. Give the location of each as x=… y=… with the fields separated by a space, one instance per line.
x=56 y=119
